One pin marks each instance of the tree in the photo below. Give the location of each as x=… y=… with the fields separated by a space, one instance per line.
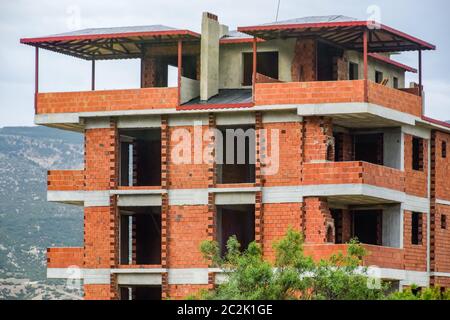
x=291 y=276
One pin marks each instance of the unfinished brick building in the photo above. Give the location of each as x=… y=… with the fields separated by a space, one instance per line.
x=356 y=155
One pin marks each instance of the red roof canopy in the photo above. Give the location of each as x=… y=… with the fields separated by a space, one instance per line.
x=392 y=62
x=110 y=43
x=348 y=34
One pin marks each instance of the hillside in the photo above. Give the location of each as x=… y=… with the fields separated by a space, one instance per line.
x=28 y=223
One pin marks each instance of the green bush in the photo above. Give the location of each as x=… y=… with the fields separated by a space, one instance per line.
x=292 y=276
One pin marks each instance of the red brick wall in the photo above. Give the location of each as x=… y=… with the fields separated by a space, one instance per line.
x=336 y=92
x=353 y=172
x=309 y=92
x=186 y=176
x=180 y=292
x=97 y=248
x=384 y=257
x=304 y=63
x=188 y=227
x=376 y=256
x=415 y=181
x=65 y=180
x=290 y=157
x=154 y=72
x=341 y=68
x=318 y=136
x=345 y=143
x=317 y=220
x=395 y=99
x=64 y=257
x=442 y=167
x=97 y=292
x=277 y=220
x=323 y=251
x=100 y=154
x=443 y=282
x=442 y=240
x=439 y=233
x=108 y=100
x=415 y=255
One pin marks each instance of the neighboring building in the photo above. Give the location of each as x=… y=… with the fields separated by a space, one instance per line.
x=356 y=155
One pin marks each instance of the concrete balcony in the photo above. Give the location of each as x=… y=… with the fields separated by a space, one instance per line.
x=66 y=186
x=108 y=100
x=321 y=94
x=354 y=182
x=383 y=257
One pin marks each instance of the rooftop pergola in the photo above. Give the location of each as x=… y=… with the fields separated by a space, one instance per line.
x=348 y=33
x=342 y=31
x=110 y=43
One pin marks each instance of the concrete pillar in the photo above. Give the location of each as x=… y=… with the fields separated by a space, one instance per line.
x=209 y=59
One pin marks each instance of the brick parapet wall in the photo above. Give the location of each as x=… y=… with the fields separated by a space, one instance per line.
x=108 y=100
x=97 y=292
x=353 y=173
x=395 y=99
x=383 y=257
x=64 y=257
x=65 y=180
x=345 y=91
x=182 y=291
x=309 y=92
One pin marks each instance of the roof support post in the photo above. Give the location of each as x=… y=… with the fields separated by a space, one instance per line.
x=142 y=71
x=36 y=79
x=93 y=76
x=420 y=73
x=255 y=64
x=366 y=65
x=180 y=68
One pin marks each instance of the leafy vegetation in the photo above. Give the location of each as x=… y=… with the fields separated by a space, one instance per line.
x=294 y=276
x=413 y=293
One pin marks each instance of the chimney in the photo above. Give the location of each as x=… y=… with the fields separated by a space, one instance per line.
x=209 y=57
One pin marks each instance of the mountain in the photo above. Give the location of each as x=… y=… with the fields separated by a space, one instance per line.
x=28 y=223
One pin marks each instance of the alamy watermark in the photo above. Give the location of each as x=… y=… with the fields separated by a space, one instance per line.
x=227 y=146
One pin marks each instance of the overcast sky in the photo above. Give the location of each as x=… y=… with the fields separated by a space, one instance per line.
x=427 y=20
